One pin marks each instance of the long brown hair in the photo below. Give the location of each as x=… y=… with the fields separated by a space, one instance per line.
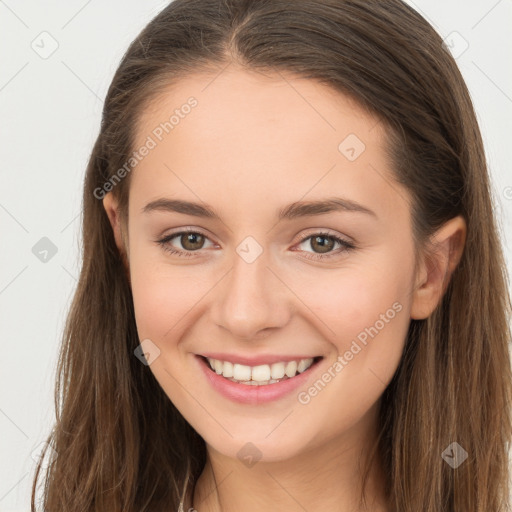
x=119 y=443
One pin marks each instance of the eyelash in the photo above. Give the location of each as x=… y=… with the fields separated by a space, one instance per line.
x=346 y=246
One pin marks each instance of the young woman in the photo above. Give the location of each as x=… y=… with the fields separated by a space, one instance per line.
x=293 y=295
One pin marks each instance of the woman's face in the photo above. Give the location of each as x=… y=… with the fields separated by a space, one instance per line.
x=263 y=280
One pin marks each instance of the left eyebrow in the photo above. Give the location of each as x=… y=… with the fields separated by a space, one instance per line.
x=289 y=212
x=332 y=204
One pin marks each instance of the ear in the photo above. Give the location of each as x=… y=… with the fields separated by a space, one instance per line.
x=111 y=206
x=437 y=267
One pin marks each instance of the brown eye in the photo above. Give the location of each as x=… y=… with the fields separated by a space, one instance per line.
x=320 y=244
x=323 y=245
x=184 y=243
x=192 y=241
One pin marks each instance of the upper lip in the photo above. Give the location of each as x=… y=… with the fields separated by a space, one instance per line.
x=256 y=360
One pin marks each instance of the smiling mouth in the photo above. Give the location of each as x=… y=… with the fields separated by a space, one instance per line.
x=260 y=375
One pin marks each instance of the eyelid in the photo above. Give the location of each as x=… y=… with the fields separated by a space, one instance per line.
x=185 y=230
x=346 y=245
x=325 y=232
x=309 y=231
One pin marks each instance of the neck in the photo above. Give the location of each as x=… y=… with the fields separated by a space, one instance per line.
x=326 y=477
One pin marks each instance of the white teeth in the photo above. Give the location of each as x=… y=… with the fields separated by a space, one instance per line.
x=304 y=364
x=241 y=372
x=261 y=374
x=228 y=369
x=277 y=370
x=218 y=366
x=291 y=369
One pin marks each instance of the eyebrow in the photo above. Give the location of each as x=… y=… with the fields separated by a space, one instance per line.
x=292 y=211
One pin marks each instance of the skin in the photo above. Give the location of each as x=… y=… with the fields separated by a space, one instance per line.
x=252 y=145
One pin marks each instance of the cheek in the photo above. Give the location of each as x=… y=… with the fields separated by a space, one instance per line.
x=162 y=296
x=359 y=296
x=365 y=307
x=368 y=320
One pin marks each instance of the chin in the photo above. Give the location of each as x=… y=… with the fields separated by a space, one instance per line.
x=258 y=445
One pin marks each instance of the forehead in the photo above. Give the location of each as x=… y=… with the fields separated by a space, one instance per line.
x=252 y=100
x=259 y=137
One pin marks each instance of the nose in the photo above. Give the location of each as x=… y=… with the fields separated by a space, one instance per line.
x=252 y=300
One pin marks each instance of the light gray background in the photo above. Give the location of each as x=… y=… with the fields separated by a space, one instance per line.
x=50 y=113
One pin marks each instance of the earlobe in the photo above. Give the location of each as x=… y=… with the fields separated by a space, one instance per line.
x=112 y=209
x=437 y=267
x=111 y=206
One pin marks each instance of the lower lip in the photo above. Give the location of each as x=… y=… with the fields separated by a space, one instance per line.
x=249 y=394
